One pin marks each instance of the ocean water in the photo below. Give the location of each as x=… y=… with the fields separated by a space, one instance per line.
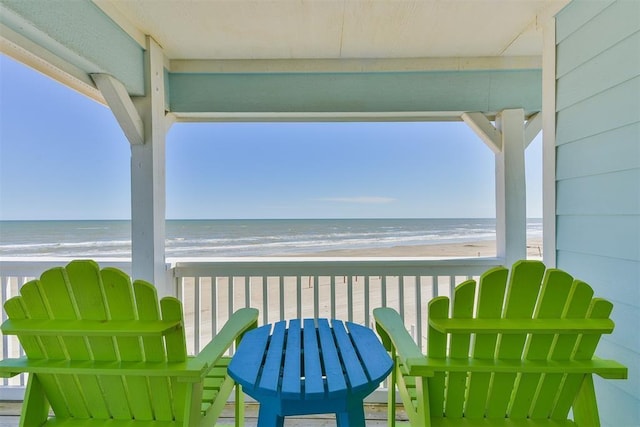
x=212 y=238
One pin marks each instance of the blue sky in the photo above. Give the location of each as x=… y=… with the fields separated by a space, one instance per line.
x=63 y=156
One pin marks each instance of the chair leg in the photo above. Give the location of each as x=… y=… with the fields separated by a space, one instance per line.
x=267 y=417
x=35 y=409
x=353 y=418
x=239 y=409
x=391 y=401
x=585 y=407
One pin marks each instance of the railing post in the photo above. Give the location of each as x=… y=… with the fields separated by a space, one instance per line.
x=511 y=195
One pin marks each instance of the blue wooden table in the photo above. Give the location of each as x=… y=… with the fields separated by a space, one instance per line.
x=310 y=366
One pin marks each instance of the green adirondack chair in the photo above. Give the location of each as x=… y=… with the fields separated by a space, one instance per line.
x=520 y=359
x=103 y=352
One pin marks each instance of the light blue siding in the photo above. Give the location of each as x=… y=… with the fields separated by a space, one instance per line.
x=612 y=236
x=616 y=150
x=612 y=25
x=600 y=200
x=602 y=112
x=615 y=405
x=598 y=177
x=576 y=14
x=599 y=73
x=615 y=279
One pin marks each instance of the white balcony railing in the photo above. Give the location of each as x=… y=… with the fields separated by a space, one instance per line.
x=281 y=288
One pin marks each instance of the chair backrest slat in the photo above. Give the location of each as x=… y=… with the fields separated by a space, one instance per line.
x=121 y=306
x=437 y=347
x=105 y=395
x=463 y=304
x=159 y=388
x=176 y=346
x=491 y=291
x=523 y=290
x=36 y=297
x=86 y=288
x=555 y=289
x=33 y=345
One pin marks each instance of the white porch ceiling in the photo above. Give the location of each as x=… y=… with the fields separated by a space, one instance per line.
x=336 y=29
x=295 y=59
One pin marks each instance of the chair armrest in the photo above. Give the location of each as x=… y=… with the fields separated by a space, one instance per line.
x=239 y=322
x=93 y=328
x=184 y=371
x=394 y=335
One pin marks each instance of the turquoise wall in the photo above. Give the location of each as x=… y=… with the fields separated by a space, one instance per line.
x=598 y=177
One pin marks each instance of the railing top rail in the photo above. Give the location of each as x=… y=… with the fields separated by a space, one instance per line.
x=279 y=266
x=310 y=266
x=28 y=267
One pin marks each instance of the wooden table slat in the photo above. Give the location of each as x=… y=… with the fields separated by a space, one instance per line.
x=249 y=369
x=273 y=362
x=375 y=358
x=353 y=368
x=314 y=383
x=291 y=373
x=336 y=384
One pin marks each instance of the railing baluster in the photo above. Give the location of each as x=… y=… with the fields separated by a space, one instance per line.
x=350 y=298
x=5 y=338
x=299 y=296
x=316 y=296
x=214 y=305
x=419 y=311
x=230 y=302
x=434 y=286
x=247 y=291
x=196 y=315
x=366 y=300
x=281 y=283
x=265 y=299
x=452 y=286
x=332 y=285
x=401 y=296
x=383 y=290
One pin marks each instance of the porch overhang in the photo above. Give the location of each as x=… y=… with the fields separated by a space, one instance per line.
x=71 y=40
x=154 y=63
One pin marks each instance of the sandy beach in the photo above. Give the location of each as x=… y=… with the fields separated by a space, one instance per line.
x=481 y=248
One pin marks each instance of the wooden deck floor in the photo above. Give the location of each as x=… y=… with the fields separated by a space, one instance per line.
x=376 y=416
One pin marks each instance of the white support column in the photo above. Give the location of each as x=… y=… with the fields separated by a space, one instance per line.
x=549 y=143
x=511 y=207
x=148 y=187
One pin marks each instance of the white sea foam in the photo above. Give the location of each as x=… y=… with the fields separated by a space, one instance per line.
x=239 y=237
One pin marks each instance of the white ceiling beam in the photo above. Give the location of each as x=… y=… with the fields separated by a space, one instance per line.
x=122 y=107
x=532 y=128
x=481 y=125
